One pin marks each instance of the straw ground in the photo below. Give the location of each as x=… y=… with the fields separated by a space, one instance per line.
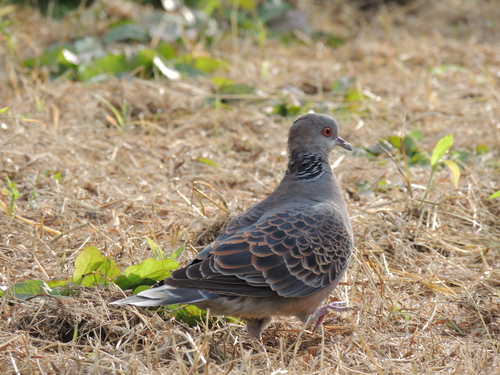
x=425 y=277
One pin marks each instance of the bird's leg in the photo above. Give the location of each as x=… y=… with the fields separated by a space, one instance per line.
x=256 y=326
x=323 y=311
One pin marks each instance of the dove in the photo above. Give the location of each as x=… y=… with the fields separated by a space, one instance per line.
x=282 y=256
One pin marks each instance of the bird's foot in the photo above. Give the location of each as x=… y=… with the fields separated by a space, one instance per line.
x=323 y=311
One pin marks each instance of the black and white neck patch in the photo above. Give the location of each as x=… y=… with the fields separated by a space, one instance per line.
x=306 y=166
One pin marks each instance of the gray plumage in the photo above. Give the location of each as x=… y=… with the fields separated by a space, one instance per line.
x=283 y=255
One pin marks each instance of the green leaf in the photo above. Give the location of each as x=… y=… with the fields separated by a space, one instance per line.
x=59 y=176
x=461 y=156
x=207 y=161
x=92 y=268
x=417 y=158
x=187 y=69
x=482 y=149
x=286 y=109
x=61 y=287
x=50 y=57
x=110 y=65
x=166 y=50
x=11 y=186
x=86 y=264
x=417 y=135
x=141 y=288
x=248 y=5
x=455 y=171
x=441 y=148
x=57 y=283
x=198 y=65
x=395 y=141
x=208 y=65
x=329 y=39
x=133 y=282
x=12 y=193
x=28 y=289
x=144 y=58
x=158 y=253
x=440 y=69
x=222 y=81
x=3 y=110
x=117 y=114
x=150 y=269
x=353 y=95
x=206 y=6
x=177 y=252
x=109 y=269
x=125 y=32
x=410 y=143
x=236 y=89
x=496 y=194
x=88 y=73
x=191 y=315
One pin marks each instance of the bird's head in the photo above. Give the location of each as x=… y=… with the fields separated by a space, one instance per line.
x=316 y=133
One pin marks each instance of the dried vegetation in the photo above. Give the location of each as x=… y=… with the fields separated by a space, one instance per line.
x=425 y=278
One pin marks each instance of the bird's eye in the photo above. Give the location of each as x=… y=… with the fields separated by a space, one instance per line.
x=327 y=131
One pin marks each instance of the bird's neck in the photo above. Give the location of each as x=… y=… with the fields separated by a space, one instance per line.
x=306 y=166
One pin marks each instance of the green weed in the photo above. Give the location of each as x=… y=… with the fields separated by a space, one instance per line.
x=442 y=147
x=407 y=151
x=93 y=269
x=12 y=195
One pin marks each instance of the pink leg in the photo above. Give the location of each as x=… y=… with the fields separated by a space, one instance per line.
x=323 y=311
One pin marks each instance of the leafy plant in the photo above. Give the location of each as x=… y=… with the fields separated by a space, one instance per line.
x=401 y=312
x=86 y=60
x=191 y=315
x=442 y=147
x=407 y=149
x=12 y=193
x=93 y=269
x=120 y=116
x=28 y=289
x=167 y=48
x=158 y=253
x=286 y=109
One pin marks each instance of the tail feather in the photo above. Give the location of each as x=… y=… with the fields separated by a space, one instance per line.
x=166 y=295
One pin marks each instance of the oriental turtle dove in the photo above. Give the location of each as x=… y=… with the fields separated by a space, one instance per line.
x=283 y=255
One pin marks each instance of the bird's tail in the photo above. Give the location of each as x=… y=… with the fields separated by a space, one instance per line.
x=166 y=295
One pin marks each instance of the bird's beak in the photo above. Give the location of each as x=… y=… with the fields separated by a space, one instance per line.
x=342 y=143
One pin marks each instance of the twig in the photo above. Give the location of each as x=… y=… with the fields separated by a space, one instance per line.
x=365 y=345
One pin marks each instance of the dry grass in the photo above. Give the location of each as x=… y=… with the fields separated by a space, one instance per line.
x=425 y=279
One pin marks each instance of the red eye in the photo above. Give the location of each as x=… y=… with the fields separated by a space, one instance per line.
x=327 y=131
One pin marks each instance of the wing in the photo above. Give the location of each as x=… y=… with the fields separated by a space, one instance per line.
x=241 y=221
x=291 y=252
